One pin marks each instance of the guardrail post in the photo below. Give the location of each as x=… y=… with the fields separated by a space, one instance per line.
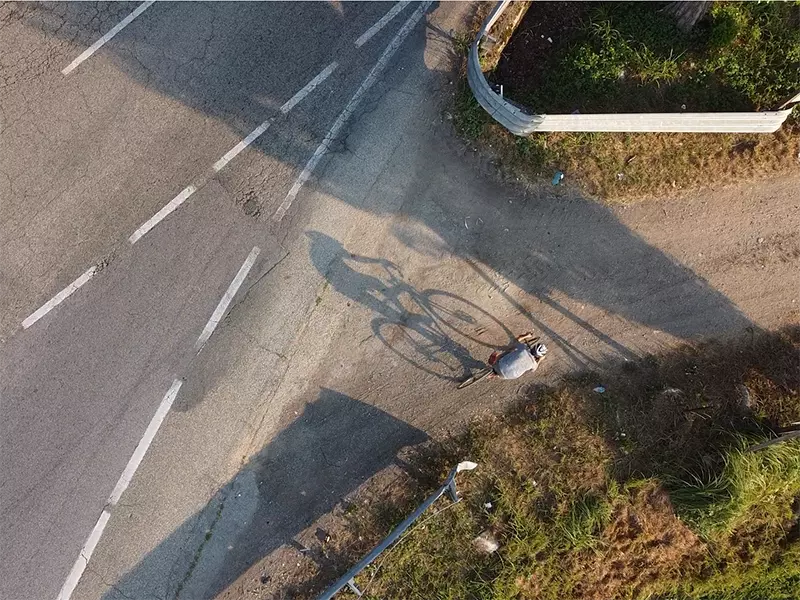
x=451 y=489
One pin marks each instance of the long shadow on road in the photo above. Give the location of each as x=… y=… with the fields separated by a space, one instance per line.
x=550 y=248
x=423 y=327
x=331 y=448
x=560 y=250
x=571 y=247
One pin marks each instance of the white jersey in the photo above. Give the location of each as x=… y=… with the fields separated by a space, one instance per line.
x=516 y=363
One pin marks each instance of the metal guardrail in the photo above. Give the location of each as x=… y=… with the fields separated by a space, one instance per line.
x=348 y=579
x=519 y=122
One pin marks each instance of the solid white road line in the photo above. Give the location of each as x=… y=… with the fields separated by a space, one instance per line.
x=59 y=297
x=289 y=105
x=114 y=31
x=222 y=307
x=160 y=215
x=83 y=557
x=349 y=109
x=367 y=35
x=94 y=537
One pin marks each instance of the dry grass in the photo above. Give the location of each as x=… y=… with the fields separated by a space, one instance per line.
x=621 y=167
x=637 y=493
x=645 y=546
x=502 y=30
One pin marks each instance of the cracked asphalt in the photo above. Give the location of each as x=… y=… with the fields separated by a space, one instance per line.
x=401 y=265
x=84 y=160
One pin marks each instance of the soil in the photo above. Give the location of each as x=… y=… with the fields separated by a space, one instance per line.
x=530 y=55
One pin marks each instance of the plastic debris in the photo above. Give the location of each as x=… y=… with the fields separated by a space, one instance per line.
x=600 y=389
x=486 y=542
x=672 y=392
x=743 y=396
x=620 y=176
x=558 y=178
x=550 y=40
x=487 y=505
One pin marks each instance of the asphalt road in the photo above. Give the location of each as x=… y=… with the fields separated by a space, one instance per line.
x=86 y=158
x=376 y=285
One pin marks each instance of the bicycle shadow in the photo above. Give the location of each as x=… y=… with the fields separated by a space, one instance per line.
x=428 y=329
x=563 y=251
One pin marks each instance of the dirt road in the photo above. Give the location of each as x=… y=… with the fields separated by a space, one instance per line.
x=406 y=263
x=439 y=264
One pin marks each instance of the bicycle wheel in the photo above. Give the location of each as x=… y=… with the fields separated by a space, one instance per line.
x=475 y=378
x=424 y=348
x=465 y=318
x=531 y=342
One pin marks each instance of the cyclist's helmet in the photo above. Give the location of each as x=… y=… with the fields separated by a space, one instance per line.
x=539 y=350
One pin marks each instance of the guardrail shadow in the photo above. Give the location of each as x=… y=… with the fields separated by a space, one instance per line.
x=336 y=444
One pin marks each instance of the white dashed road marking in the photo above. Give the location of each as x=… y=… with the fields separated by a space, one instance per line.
x=144 y=443
x=127 y=474
x=83 y=557
x=308 y=88
x=222 y=307
x=289 y=105
x=173 y=204
x=161 y=214
x=114 y=31
x=348 y=111
x=59 y=297
x=369 y=33
x=232 y=153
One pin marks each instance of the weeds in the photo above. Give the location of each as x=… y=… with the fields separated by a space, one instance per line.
x=586 y=520
x=630 y=57
x=752 y=487
x=577 y=517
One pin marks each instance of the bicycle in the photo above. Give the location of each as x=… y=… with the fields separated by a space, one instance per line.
x=528 y=339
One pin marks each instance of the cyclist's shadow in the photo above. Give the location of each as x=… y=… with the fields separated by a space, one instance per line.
x=424 y=328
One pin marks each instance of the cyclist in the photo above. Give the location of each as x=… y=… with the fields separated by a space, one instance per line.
x=517 y=360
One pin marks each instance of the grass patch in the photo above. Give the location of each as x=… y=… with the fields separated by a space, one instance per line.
x=752 y=486
x=646 y=491
x=629 y=57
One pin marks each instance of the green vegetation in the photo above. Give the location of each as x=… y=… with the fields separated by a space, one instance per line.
x=630 y=57
x=645 y=491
